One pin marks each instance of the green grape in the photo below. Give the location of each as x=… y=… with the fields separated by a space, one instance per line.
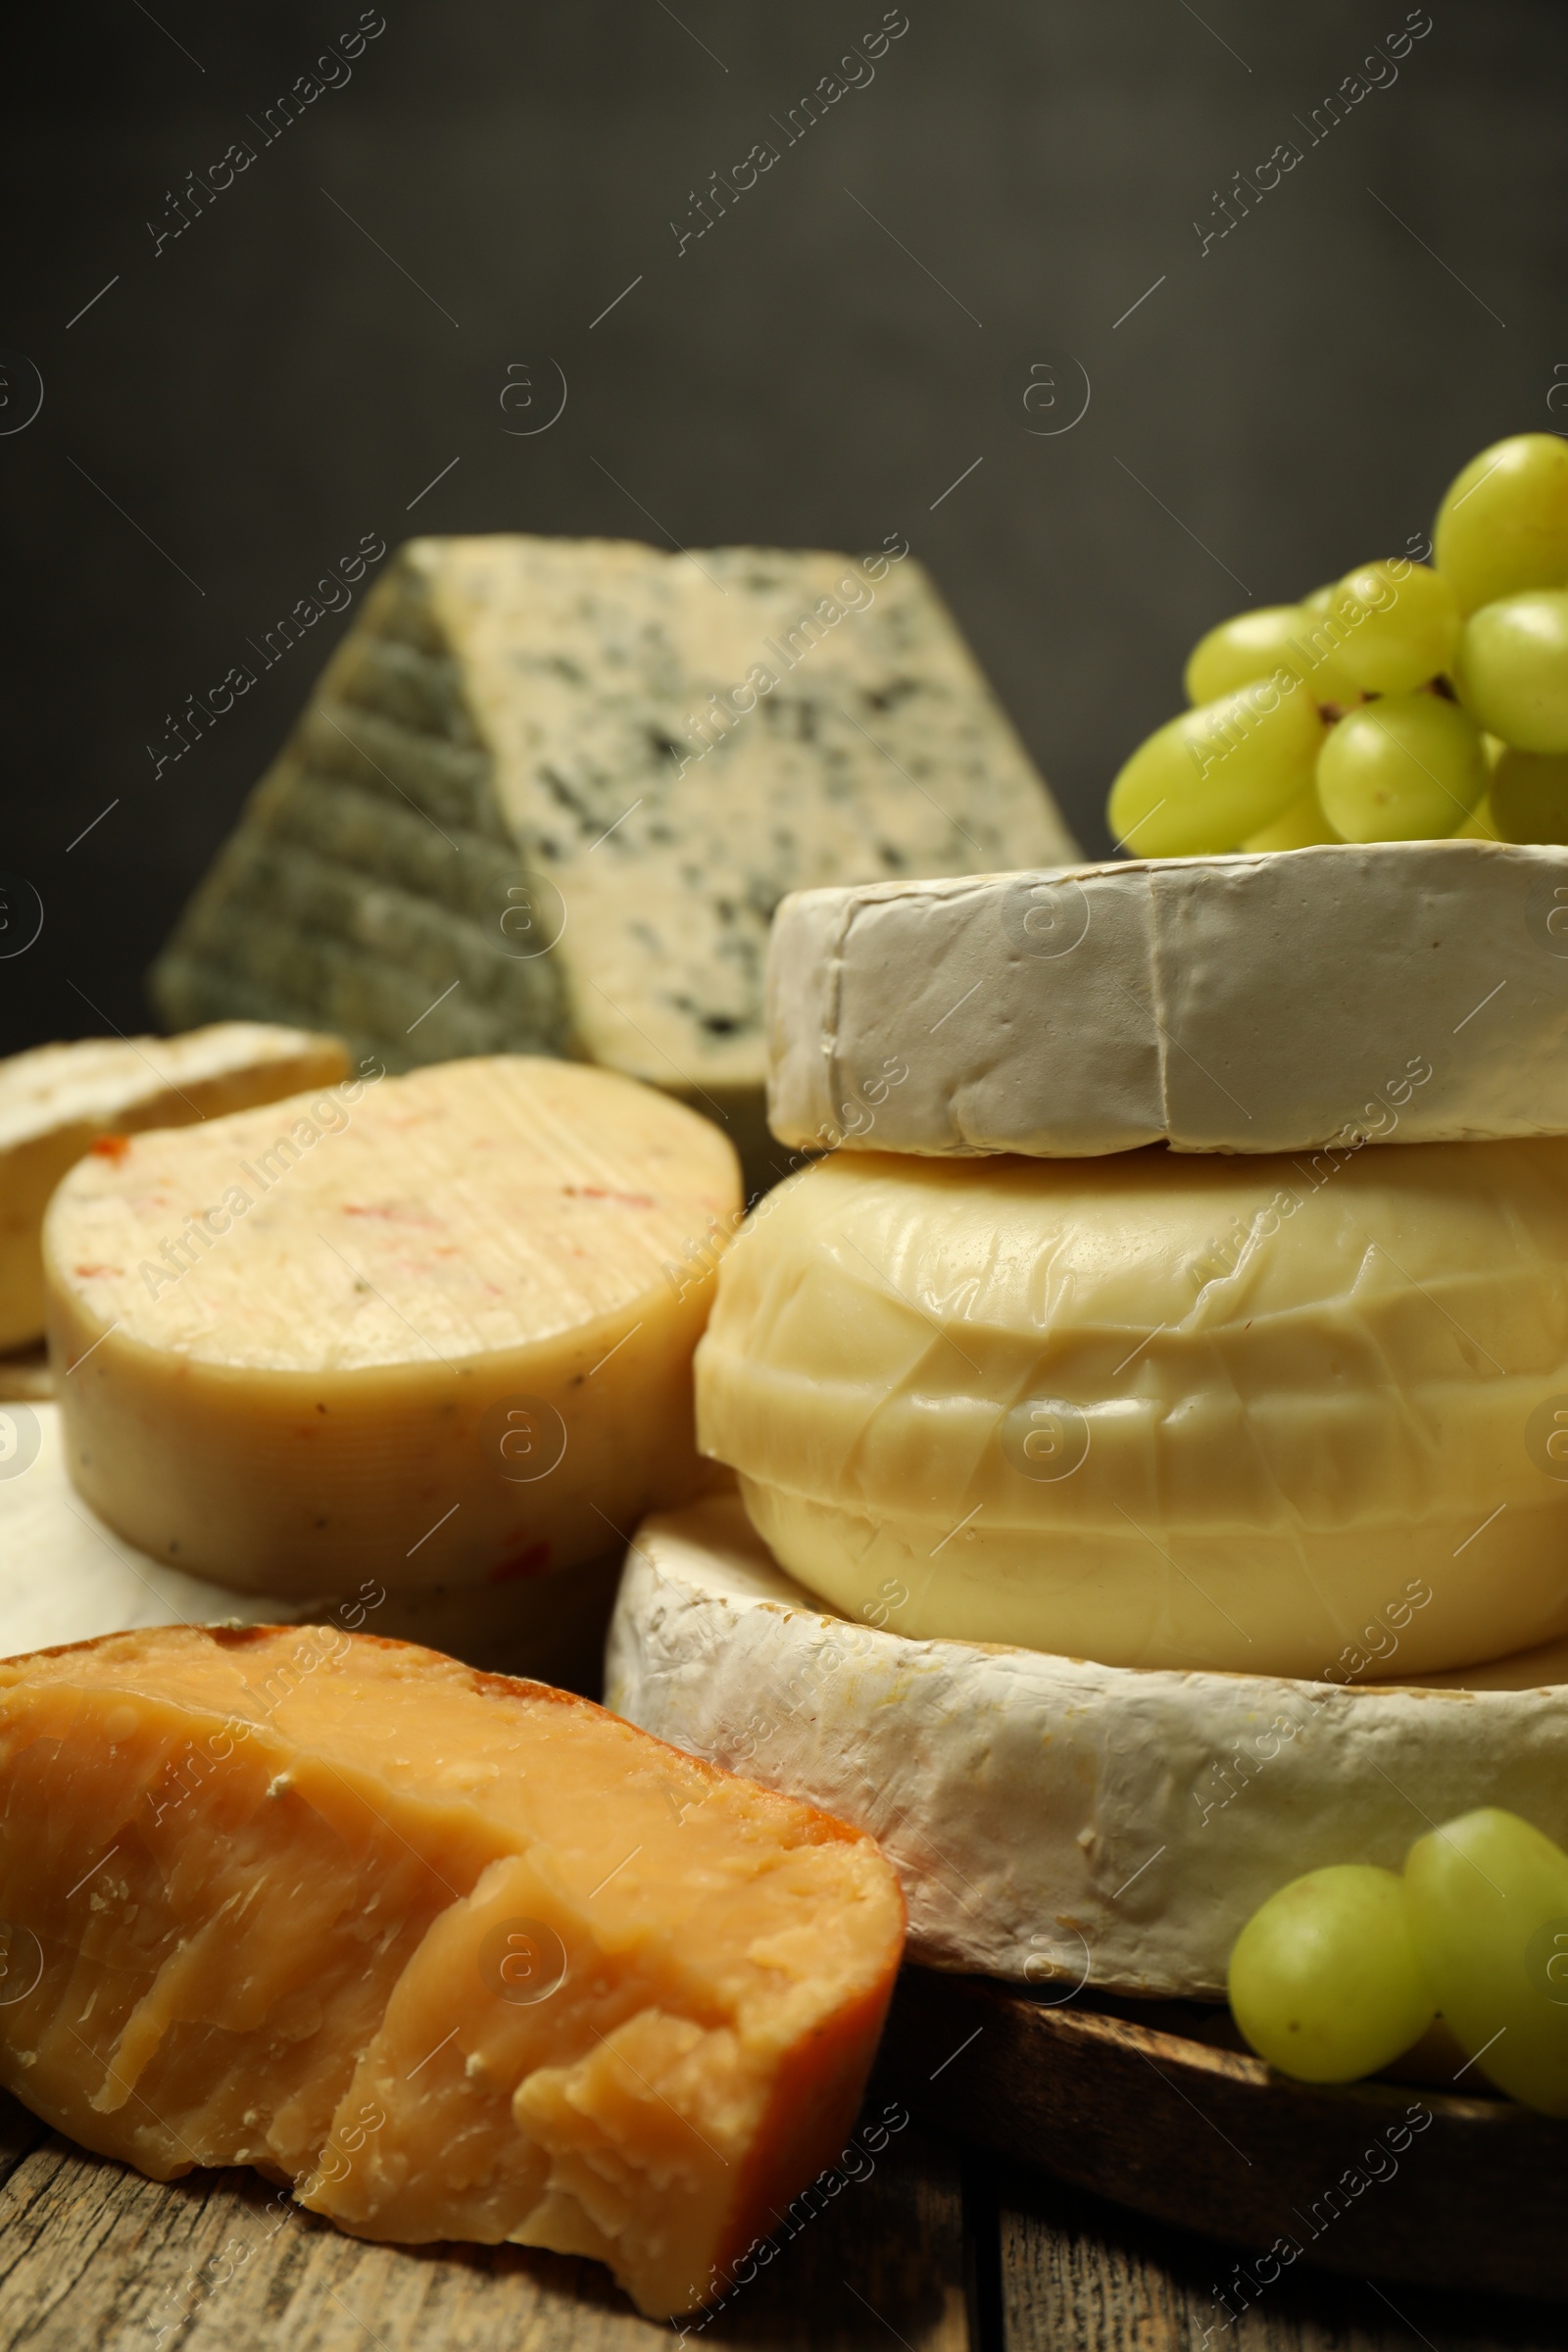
x=1511 y=670
x=1249 y=646
x=1303 y=826
x=1403 y=625
x=1408 y=767
x=1324 y=1978
x=1488 y=1904
x=1529 y=796
x=1210 y=778
x=1322 y=598
x=1255 y=645
x=1324 y=636
x=1504 y=525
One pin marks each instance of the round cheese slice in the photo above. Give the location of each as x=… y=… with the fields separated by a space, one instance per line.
x=64 y=1577
x=1161 y=1411
x=55 y=1101
x=1411 y=991
x=433 y=1330
x=1055 y=1821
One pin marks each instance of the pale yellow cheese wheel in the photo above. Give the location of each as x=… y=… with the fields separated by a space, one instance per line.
x=436 y=1330
x=56 y=1099
x=1161 y=1410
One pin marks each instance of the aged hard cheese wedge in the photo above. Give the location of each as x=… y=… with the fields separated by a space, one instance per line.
x=1056 y=1822
x=56 y=1100
x=420 y=1330
x=1160 y=1411
x=458 y=1957
x=1407 y=991
x=66 y=1577
x=577 y=778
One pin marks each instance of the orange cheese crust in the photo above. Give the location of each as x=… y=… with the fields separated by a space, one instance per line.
x=454 y=1955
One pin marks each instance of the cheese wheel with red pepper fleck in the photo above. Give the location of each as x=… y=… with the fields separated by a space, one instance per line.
x=56 y=1102
x=435 y=1329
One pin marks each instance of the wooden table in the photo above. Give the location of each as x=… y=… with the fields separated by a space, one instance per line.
x=937 y=2250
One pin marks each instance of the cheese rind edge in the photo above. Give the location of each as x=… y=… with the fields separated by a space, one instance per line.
x=1401 y=991
x=1056 y=1822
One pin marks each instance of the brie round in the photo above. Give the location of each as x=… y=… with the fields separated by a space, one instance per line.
x=1053 y=1822
x=1413 y=991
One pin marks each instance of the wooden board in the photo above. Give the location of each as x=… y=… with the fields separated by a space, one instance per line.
x=1077 y=2274
x=1387 y=2181
x=94 y=2258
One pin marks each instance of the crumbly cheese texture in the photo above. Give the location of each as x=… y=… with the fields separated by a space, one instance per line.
x=1055 y=1821
x=56 y=1100
x=458 y=1957
x=66 y=1577
x=1408 y=992
x=420 y=1330
x=520 y=716
x=1160 y=1411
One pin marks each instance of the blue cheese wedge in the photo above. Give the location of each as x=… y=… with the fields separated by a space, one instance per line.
x=548 y=794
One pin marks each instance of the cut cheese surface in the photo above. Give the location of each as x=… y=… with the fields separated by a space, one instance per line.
x=1408 y=992
x=419 y=1330
x=66 y=1577
x=1055 y=1821
x=56 y=1100
x=1155 y=1410
x=634 y=754
x=457 y=1957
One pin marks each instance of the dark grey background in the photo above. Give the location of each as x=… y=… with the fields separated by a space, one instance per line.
x=273 y=383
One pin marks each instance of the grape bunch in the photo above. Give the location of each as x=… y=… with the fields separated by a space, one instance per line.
x=1407 y=703
x=1337 y=1974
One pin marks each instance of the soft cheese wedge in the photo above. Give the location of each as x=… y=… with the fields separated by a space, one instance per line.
x=1409 y=991
x=455 y=1956
x=421 y=1332
x=1155 y=1410
x=56 y=1100
x=1060 y=1823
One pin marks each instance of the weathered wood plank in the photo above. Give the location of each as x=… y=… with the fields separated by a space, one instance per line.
x=19 y=2133
x=1082 y=2276
x=93 y=2255
x=1375 y=2180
